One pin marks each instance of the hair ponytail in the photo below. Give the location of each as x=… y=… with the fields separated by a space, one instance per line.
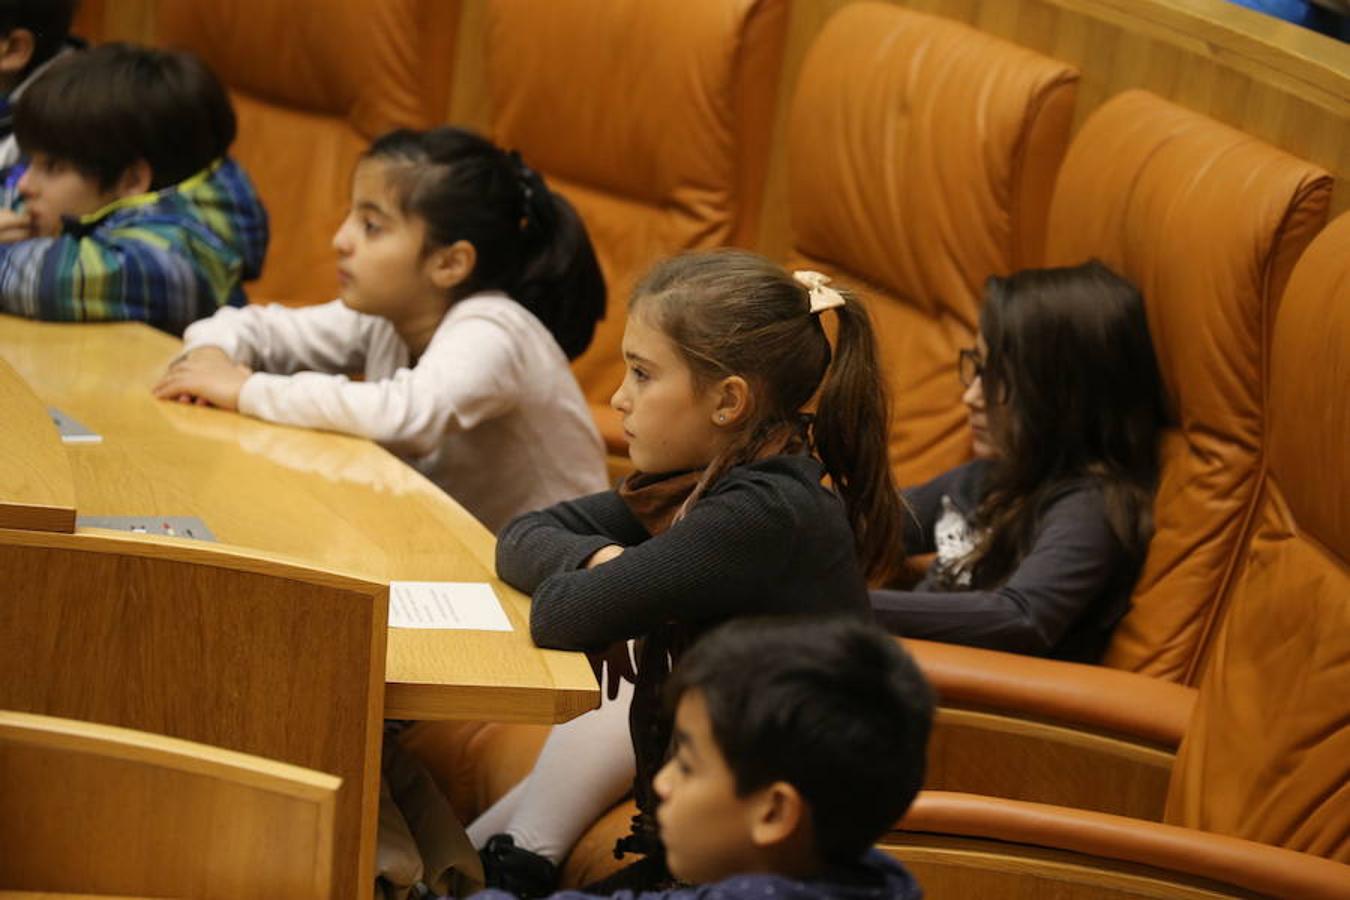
x=529 y=241
x=851 y=436
x=731 y=312
x=560 y=280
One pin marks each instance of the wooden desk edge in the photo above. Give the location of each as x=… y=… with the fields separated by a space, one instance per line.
x=37 y=517
x=489 y=703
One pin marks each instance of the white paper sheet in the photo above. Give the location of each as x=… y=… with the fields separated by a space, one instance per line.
x=457 y=605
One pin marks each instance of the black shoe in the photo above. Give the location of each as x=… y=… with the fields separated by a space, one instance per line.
x=517 y=870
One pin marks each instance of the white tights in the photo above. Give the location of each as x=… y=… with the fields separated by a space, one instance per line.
x=585 y=767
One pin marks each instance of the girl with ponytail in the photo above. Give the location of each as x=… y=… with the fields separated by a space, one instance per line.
x=467 y=285
x=726 y=516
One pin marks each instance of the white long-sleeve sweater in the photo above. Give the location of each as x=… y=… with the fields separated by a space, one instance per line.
x=490 y=412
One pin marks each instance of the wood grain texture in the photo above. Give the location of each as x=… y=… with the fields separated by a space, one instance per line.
x=187 y=640
x=103 y=810
x=336 y=502
x=952 y=867
x=1003 y=756
x=36 y=489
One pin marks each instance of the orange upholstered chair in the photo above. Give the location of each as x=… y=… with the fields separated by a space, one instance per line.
x=652 y=117
x=922 y=153
x=1265 y=763
x=313 y=82
x=1208 y=222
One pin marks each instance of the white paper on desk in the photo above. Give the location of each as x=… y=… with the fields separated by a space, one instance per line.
x=458 y=605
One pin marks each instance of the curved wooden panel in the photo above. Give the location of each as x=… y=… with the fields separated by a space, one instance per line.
x=332 y=501
x=36 y=490
x=149 y=816
x=222 y=646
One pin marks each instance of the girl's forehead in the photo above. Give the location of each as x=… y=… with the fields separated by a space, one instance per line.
x=371 y=183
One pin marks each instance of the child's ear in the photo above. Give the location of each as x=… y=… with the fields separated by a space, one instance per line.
x=733 y=401
x=779 y=816
x=16 y=51
x=135 y=179
x=448 y=266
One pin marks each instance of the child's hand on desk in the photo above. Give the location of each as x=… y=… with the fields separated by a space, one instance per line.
x=15 y=226
x=206 y=376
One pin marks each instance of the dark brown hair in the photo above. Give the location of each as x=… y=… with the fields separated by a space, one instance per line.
x=1071 y=361
x=47 y=20
x=833 y=707
x=104 y=109
x=528 y=240
x=731 y=312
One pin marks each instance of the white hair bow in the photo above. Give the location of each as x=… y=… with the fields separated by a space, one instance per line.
x=817 y=284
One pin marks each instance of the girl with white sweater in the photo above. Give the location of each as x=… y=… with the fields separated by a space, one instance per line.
x=466 y=286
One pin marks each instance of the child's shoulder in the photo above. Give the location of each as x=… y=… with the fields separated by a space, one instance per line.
x=874 y=877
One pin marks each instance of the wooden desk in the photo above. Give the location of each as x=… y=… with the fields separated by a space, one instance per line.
x=36 y=490
x=332 y=500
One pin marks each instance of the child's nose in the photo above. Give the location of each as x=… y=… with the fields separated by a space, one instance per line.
x=25 y=185
x=974 y=395
x=341 y=243
x=661 y=783
x=619 y=399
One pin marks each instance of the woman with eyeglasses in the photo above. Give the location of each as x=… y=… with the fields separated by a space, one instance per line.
x=1040 y=539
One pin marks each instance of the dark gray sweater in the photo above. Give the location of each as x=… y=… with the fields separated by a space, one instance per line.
x=1062 y=601
x=768 y=538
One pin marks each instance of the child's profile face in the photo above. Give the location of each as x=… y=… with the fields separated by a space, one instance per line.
x=53 y=189
x=668 y=421
x=978 y=411
x=380 y=259
x=706 y=827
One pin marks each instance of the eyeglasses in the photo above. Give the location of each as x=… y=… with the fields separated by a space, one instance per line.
x=969 y=366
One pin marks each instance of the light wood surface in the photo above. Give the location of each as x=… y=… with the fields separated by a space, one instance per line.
x=36 y=490
x=336 y=502
x=104 y=810
x=206 y=643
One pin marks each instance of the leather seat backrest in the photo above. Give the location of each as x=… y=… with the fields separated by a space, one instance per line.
x=921 y=157
x=652 y=116
x=313 y=82
x=1267 y=756
x=1206 y=221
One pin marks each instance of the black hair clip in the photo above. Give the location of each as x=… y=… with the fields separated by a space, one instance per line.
x=526 y=177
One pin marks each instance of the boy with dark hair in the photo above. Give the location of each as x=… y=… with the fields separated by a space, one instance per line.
x=129 y=207
x=797 y=744
x=33 y=33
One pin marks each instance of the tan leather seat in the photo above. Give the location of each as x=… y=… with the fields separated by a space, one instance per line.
x=1266 y=759
x=652 y=117
x=1207 y=221
x=921 y=157
x=1267 y=756
x=313 y=82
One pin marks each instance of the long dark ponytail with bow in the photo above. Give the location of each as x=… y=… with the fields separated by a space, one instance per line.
x=529 y=241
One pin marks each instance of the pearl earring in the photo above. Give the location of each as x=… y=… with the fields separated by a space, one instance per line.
x=721 y=419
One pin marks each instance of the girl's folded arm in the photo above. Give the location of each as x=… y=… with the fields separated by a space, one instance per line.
x=457 y=384
x=273 y=338
x=706 y=567
x=1069 y=566
x=563 y=537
